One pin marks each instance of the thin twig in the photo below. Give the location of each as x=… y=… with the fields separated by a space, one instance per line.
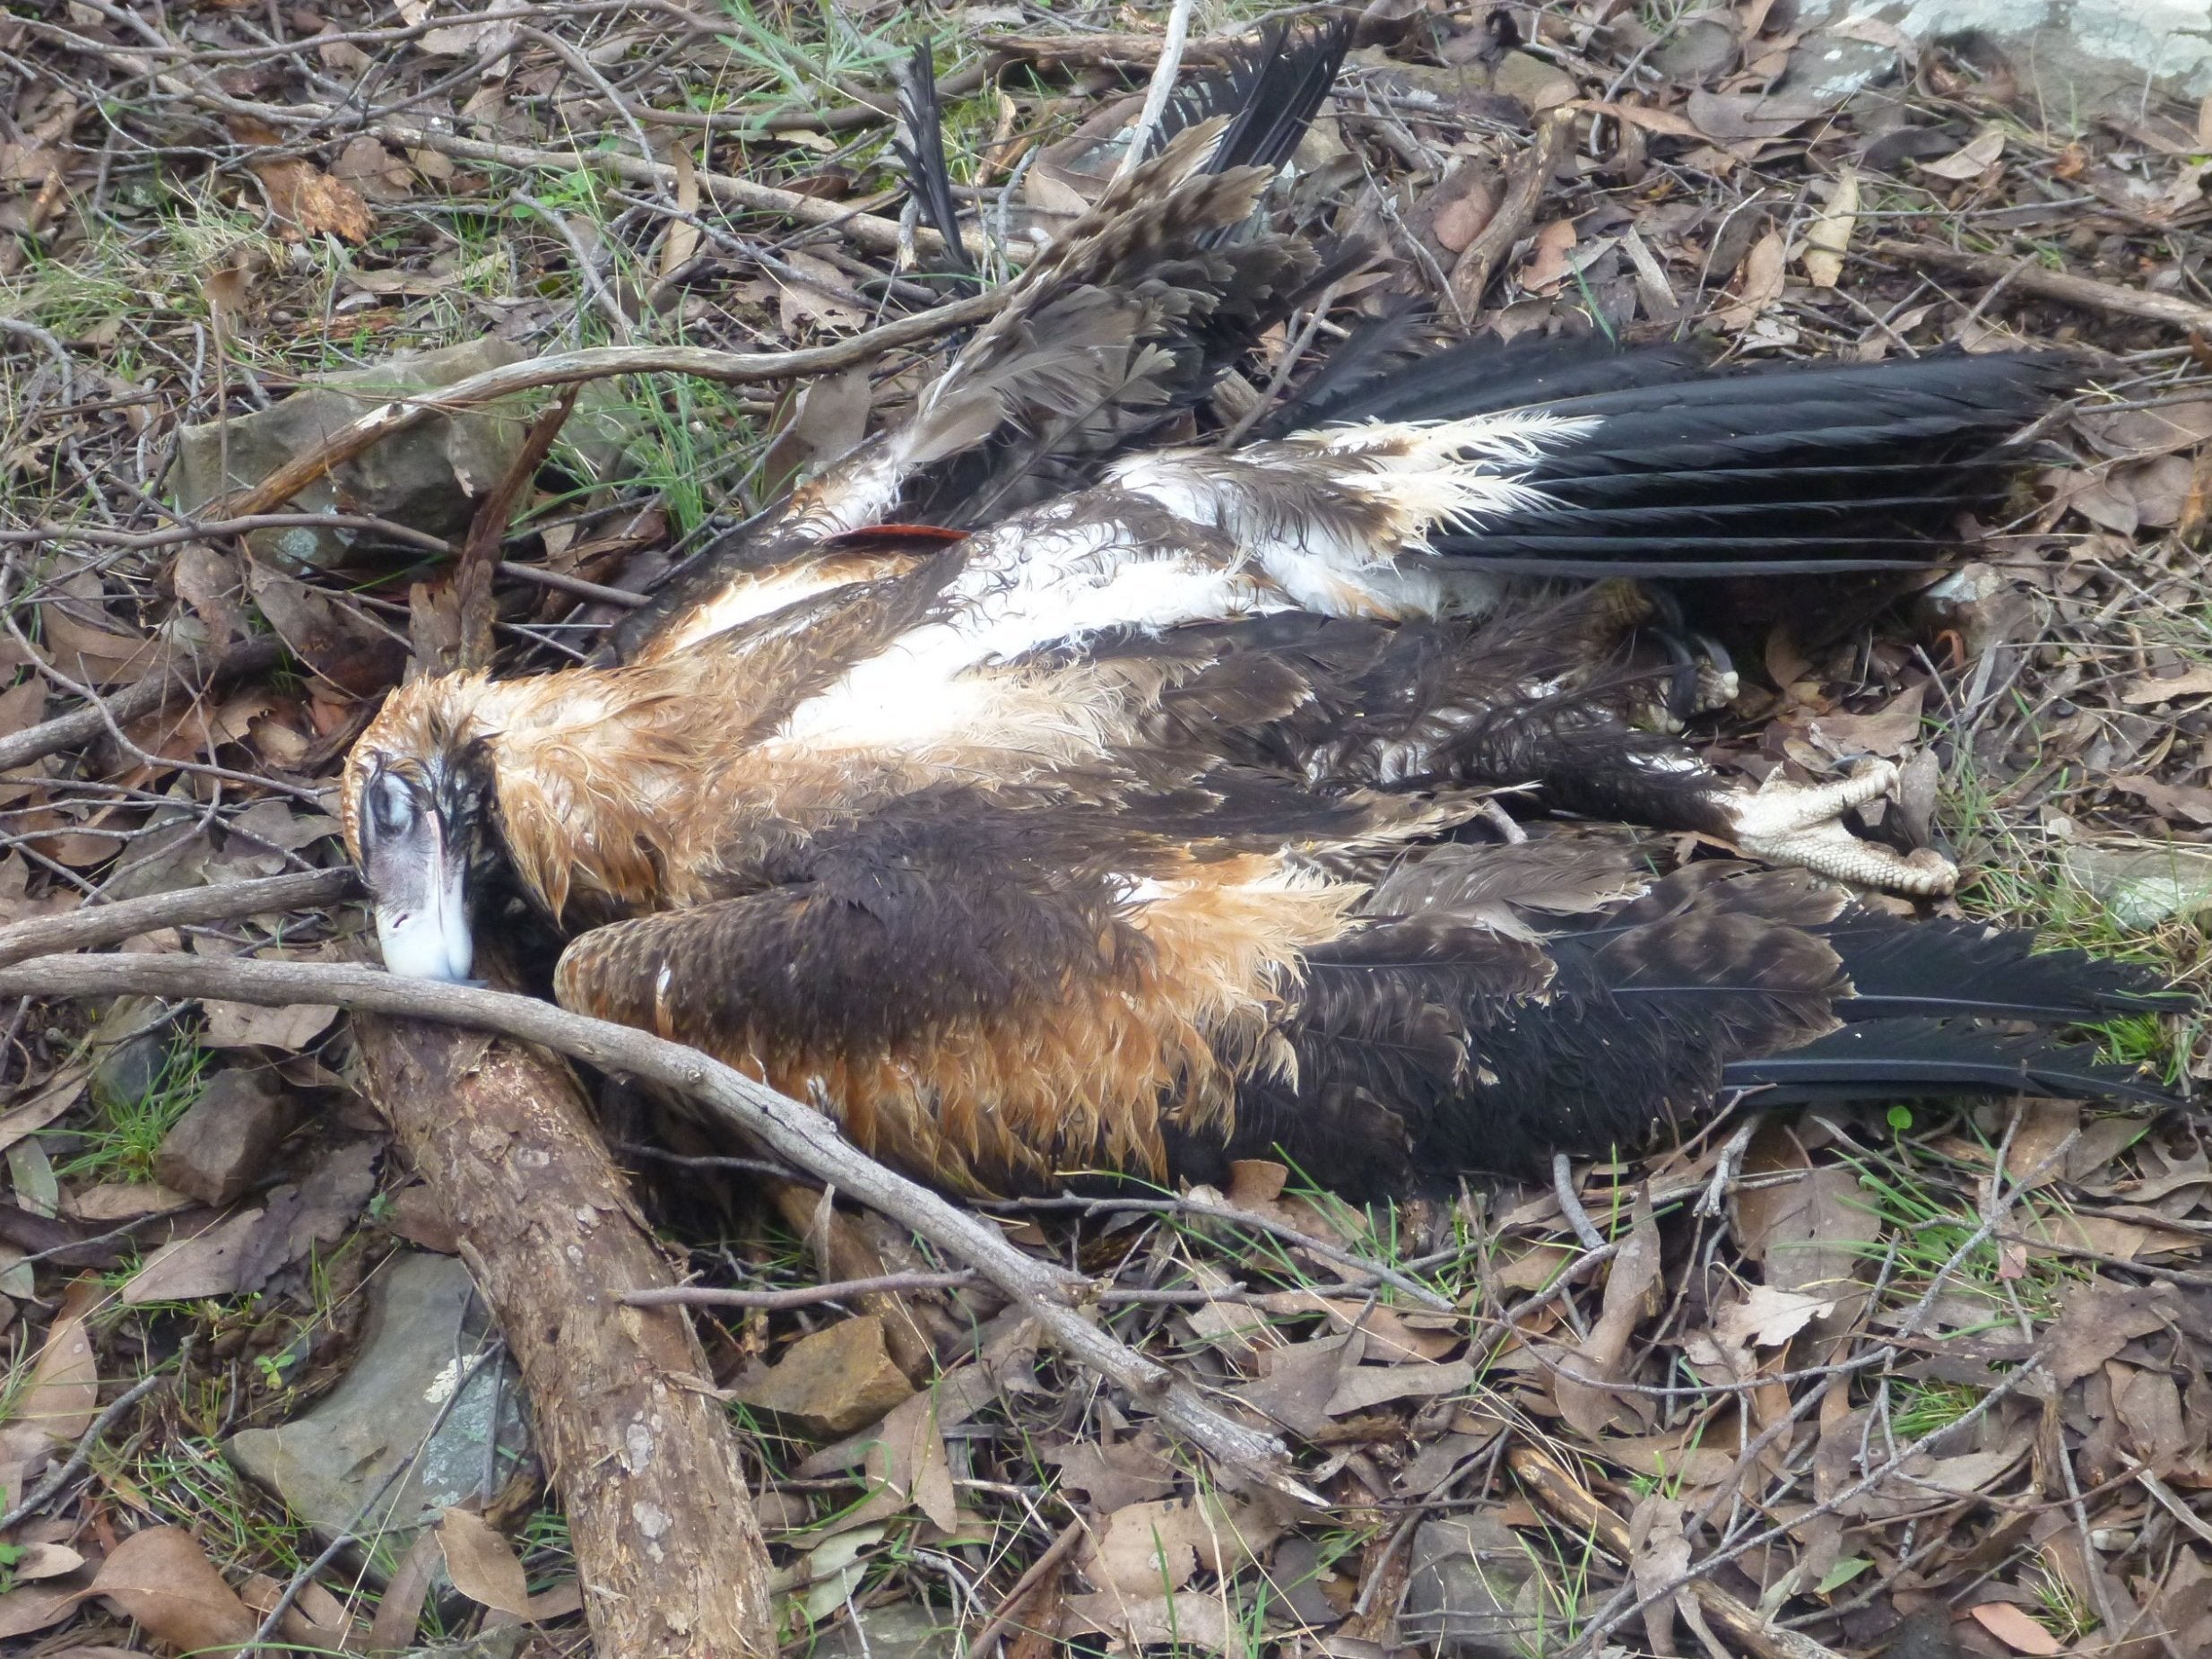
x=38 y=1497
x=599 y=363
x=1027 y=1585
x=1162 y=88
x=97 y=925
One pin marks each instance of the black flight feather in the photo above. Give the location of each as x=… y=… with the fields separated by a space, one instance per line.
x=919 y=142
x=1940 y=968
x=1892 y=1059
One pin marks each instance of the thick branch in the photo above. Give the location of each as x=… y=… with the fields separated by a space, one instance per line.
x=645 y=1461
x=785 y=1127
x=94 y=925
x=2023 y=275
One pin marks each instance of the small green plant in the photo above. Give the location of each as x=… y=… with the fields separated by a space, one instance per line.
x=1925 y=1408
x=120 y=1142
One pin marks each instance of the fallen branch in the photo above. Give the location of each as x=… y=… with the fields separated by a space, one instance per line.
x=647 y=1467
x=186 y=676
x=597 y=363
x=94 y=925
x=785 y=1127
x=1525 y=185
x=2024 y=275
x=1551 y=1484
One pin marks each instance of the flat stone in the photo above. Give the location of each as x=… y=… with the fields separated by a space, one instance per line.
x=224 y=1142
x=328 y=1462
x=1473 y=1590
x=2142 y=887
x=429 y=477
x=2077 y=55
x=831 y=1381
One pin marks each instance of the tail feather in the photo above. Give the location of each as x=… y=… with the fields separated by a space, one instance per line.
x=1890 y=1059
x=920 y=146
x=1272 y=90
x=1942 y=968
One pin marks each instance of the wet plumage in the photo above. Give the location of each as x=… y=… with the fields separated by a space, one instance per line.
x=1116 y=820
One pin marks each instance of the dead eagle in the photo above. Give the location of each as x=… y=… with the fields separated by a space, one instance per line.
x=1114 y=831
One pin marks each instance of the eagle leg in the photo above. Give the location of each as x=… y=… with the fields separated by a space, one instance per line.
x=1800 y=825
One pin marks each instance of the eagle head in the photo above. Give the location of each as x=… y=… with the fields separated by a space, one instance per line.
x=415 y=797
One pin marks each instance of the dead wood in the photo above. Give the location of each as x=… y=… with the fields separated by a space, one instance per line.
x=2024 y=275
x=95 y=925
x=1525 y=185
x=792 y=1131
x=646 y=1466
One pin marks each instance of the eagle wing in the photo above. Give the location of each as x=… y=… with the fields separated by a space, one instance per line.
x=1004 y=996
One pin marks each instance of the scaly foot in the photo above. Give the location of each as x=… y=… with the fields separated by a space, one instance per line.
x=1787 y=823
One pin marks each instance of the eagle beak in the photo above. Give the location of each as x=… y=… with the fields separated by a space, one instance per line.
x=418 y=880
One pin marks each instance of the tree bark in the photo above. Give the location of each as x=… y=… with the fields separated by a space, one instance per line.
x=643 y=1459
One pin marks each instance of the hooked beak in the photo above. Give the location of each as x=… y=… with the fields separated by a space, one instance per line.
x=426 y=935
x=418 y=879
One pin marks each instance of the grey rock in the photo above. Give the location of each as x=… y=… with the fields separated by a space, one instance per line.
x=424 y=1335
x=130 y=1044
x=2077 y=55
x=901 y=1630
x=224 y=1142
x=1474 y=1591
x=2142 y=886
x=1834 y=66
x=1696 y=51
x=428 y=477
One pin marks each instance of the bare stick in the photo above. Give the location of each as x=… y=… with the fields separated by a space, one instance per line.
x=878 y=235
x=789 y=1129
x=1162 y=88
x=2028 y=277
x=1027 y=1585
x=190 y=675
x=1524 y=192
x=98 y=924
x=598 y=364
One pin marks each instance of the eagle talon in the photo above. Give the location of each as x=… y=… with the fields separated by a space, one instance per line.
x=1800 y=825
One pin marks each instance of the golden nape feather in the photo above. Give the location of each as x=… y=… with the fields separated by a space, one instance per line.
x=1124 y=813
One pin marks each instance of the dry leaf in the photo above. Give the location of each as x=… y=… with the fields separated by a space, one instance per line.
x=2170 y=800
x=2015 y=1629
x=1579 y=1386
x=164 y=1580
x=1191 y=1618
x=1759 y=283
x=111 y=1202
x=1887 y=732
x=308 y=201
x=214 y=1263
x=1971 y=162
x=682 y=240
x=43 y=1107
x=1830 y=236
x=2195 y=681
x=1154 y=1548
x=243 y=1025
x=483 y=1565
x=1548 y=266
x=34 y=1607
x=1363 y=1388
x=62 y=1396
x=1466 y=201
